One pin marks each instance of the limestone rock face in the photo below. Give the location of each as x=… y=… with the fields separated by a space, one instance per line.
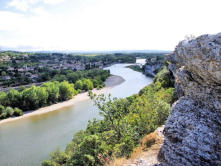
x=193 y=130
x=152 y=69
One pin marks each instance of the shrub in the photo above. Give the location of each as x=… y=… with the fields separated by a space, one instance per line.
x=59 y=156
x=3 y=114
x=164 y=78
x=49 y=163
x=9 y=111
x=66 y=90
x=18 y=112
x=1 y=109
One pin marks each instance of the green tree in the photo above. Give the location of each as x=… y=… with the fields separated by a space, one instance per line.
x=42 y=96
x=4 y=114
x=4 y=99
x=2 y=108
x=73 y=77
x=3 y=73
x=79 y=84
x=49 y=163
x=18 y=112
x=59 y=78
x=53 y=91
x=9 y=111
x=87 y=84
x=30 y=98
x=113 y=111
x=66 y=90
x=91 y=151
x=14 y=97
x=59 y=156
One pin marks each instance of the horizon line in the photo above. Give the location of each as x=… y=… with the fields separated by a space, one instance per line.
x=87 y=51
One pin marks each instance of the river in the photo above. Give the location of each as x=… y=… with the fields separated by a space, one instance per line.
x=29 y=141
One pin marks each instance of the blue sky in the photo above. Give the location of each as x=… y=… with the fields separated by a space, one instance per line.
x=105 y=24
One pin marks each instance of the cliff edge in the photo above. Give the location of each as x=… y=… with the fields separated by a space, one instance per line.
x=193 y=130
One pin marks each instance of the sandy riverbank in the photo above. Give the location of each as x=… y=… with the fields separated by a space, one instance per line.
x=109 y=83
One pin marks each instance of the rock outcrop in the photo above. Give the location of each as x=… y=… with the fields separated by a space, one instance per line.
x=193 y=130
x=152 y=69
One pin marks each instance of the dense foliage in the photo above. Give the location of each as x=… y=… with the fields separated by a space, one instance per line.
x=50 y=92
x=9 y=111
x=84 y=78
x=125 y=122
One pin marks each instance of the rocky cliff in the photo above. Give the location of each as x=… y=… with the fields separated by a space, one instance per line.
x=152 y=69
x=193 y=130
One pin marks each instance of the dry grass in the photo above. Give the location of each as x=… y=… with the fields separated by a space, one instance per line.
x=117 y=162
x=136 y=152
x=151 y=139
x=150 y=142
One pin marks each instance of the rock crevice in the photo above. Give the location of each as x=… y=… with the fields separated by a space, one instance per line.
x=193 y=130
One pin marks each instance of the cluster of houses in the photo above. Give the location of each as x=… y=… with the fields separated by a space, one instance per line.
x=55 y=64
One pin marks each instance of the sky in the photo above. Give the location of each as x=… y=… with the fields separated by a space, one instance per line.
x=104 y=25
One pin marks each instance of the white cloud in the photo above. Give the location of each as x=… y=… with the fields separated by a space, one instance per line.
x=53 y=2
x=112 y=24
x=10 y=20
x=25 y=5
x=40 y=11
x=19 y=4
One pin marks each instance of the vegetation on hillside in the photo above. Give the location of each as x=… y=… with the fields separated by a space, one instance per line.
x=125 y=122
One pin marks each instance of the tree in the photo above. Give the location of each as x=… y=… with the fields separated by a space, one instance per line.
x=30 y=98
x=60 y=78
x=91 y=151
x=66 y=90
x=53 y=91
x=4 y=114
x=44 y=76
x=2 y=108
x=4 y=99
x=113 y=111
x=59 y=156
x=73 y=77
x=42 y=96
x=3 y=73
x=87 y=84
x=21 y=88
x=9 y=111
x=95 y=83
x=14 y=97
x=49 y=163
x=18 y=112
x=79 y=84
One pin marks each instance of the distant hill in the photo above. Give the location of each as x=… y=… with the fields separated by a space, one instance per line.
x=41 y=50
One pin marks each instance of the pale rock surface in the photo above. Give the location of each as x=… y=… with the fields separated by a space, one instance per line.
x=152 y=69
x=193 y=130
